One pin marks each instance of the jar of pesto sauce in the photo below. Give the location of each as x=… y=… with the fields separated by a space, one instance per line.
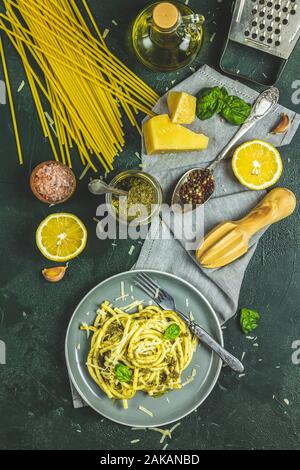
x=143 y=201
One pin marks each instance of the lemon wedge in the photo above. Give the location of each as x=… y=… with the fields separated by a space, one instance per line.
x=61 y=237
x=257 y=164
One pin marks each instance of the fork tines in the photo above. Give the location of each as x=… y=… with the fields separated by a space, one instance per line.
x=150 y=287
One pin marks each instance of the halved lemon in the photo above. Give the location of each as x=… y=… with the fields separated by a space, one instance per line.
x=257 y=164
x=61 y=237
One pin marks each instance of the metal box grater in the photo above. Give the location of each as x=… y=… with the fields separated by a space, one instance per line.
x=270 y=26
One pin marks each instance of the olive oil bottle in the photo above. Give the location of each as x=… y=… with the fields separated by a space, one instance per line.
x=167 y=36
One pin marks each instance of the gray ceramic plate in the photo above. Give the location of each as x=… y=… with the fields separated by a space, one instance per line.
x=172 y=406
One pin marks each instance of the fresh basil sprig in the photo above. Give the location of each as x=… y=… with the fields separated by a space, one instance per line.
x=172 y=332
x=123 y=373
x=235 y=110
x=216 y=100
x=249 y=320
x=210 y=101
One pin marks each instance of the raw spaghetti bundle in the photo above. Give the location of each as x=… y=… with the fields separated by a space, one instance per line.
x=87 y=87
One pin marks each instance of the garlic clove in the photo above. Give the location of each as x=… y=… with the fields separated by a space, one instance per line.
x=282 y=126
x=54 y=274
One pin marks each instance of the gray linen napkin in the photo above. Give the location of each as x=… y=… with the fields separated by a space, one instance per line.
x=231 y=200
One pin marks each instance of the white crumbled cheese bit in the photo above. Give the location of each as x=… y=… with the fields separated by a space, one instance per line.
x=260 y=360
x=187 y=302
x=243 y=356
x=192 y=69
x=132 y=248
x=286 y=401
x=250 y=337
x=156 y=293
x=134 y=441
x=150 y=302
x=242 y=375
x=165 y=446
x=85 y=325
x=173 y=82
x=22 y=84
x=133 y=305
x=168 y=399
x=78 y=347
x=224 y=327
x=191 y=316
x=212 y=38
x=121 y=298
x=187 y=2
x=122 y=290
x=255 y=345
x=114 y=22
x=147 y=412
x=84 y=172
x=131 y=288
x=138 y=155
x=175 y=427
x=190 y=378
x=114 y=244
x=24 y=315
x=49 y=118
x=105 y=33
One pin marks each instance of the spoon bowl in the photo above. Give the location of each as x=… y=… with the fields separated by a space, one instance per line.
x=184 y=182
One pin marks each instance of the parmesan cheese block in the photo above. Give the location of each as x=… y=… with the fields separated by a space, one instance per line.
x=182 y=107
x=163 y=136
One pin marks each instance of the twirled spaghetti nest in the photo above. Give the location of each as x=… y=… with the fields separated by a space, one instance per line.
x=132 y=352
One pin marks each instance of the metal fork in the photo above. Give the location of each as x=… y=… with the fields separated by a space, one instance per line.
x=166 y=302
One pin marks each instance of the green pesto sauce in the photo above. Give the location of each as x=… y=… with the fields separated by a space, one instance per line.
x=140 y=193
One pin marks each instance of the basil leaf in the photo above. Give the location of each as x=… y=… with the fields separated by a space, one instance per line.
x=172 y=332
x=235 y=110
x=249 y=320
x=210 y=101
x=123 y=373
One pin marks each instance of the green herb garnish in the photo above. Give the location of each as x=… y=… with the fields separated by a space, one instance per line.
x=249 y=320
x=216 y=100
x=235 y=110
x=172 y=332
x=210 y=101
x=123 y=373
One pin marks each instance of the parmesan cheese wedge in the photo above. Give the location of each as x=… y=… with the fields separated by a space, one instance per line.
x=163 y=136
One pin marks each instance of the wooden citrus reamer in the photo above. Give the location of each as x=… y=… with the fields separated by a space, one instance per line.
x=230 y=240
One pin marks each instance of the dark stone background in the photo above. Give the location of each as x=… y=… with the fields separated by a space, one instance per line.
x=35 y=402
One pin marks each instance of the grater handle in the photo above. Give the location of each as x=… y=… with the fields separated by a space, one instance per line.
x=264 y=104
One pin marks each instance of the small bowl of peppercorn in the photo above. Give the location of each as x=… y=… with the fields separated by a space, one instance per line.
x=53 y=182
x=143 y=201
x=194 y=189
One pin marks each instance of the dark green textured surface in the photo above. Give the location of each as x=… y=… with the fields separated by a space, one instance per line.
x=35 y=402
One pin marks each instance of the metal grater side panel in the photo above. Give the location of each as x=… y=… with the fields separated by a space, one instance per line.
x=272 y=26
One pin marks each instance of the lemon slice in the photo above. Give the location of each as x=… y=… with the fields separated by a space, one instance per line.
x=257 y=164
x=61 y=237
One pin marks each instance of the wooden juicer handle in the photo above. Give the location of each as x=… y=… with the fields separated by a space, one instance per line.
x=276 y=205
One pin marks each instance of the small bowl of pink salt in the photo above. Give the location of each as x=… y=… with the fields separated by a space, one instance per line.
x=52 y=182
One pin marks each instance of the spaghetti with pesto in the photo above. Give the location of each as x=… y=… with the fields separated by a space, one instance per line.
x=144 y=351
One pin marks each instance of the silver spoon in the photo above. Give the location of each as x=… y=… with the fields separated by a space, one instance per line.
x=99 y=187
x=264 y=104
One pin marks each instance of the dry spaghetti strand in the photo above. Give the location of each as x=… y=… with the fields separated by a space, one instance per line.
x=87 y=87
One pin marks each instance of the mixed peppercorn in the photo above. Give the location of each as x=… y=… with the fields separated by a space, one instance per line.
x=198 y=187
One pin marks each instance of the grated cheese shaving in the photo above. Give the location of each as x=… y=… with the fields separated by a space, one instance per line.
x=122 y=290
x=134 y=441
x=22 y=84
x=191 y=378
x=147 y=412
x=114 y=22
x=105 y=33
x=84 y=172
x=132 y=248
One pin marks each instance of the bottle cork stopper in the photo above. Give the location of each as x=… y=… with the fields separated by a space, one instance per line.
x=165 y=15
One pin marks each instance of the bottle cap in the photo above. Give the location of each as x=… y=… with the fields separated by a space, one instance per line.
x=165 y=15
